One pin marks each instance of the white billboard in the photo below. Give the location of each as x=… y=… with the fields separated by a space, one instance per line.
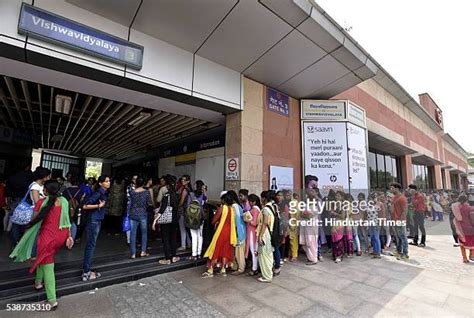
x=357 y=159
x=325 y=154
x=281 y=178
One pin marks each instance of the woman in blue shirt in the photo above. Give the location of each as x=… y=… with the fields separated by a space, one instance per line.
x=140 y=200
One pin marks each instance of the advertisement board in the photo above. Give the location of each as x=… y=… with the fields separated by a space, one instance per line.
x=281 y=178
x=358 y=174
x=325 y=154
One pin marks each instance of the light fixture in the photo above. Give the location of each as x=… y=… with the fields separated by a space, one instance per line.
x=63 y=104
x=139 y=119
x=57 y=138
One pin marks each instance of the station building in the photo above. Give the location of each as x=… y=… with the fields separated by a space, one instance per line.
x=212 y=89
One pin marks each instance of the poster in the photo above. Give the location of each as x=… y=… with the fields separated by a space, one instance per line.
x=357 y=159
x=232 y=169
x=281 y=178
x=325 y=154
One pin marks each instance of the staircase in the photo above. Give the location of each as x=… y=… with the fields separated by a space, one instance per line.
x=16 y=286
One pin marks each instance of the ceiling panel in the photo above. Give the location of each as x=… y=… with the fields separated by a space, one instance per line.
x=184 y=23
x=248 y=31
x=288 y=10
x=316 y=77
x=120 y=11
x=340 y=85
x=94 y=127
x=290 y=56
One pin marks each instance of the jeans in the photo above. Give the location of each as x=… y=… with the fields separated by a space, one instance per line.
x=92 y=231
x=374 y=232
x=185 y=240
x=356 y=238
x=16 y=232
x=420 y=223
x=141 y=221
x=363 y=237
x=437 y=214
x=169 y=244
x=401 y=238
x=277 y=257
x=73 y=230
x=196 y=239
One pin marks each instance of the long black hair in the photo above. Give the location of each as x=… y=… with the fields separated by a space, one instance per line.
x=170 y=182
x=234 y=197
x=52 y=187
x=254 y=198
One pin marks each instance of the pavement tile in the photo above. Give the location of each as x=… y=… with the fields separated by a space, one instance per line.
x=233 y=304
x=459 y=305
x=287 y=302
x=291 y=282
x=335 y=300
x=320 y=311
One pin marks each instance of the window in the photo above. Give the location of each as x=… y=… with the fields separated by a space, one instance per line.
x=383 y=170
x=59 y=165
x=421 y=176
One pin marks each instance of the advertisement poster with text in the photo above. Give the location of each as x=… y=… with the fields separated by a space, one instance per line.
x=325 y=154
x=281 y=178
x=357 y=159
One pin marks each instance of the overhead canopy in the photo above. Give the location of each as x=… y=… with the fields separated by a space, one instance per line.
x=288 y=45
x=94 y=126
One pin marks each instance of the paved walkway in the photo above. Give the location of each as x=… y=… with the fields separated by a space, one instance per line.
x=434 y=283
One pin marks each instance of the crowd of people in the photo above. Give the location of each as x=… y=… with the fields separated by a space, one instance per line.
x=245 y=232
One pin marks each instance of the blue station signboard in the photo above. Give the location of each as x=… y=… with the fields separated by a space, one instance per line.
x=46 y=26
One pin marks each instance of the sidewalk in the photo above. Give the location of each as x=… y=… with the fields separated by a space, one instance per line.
x=433 y=283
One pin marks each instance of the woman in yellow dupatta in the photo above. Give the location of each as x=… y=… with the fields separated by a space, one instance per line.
x=224 y=239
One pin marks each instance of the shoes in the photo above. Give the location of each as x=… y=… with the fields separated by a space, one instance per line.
x=359 y=253
x=397 y=254
x=403 y=258
x=311 y=263
x=180 y=249
x=456 y=244
x=376 y=256
x=422 y=245
x=337 y=261
x=207 y=274
x=237 y=273
x=413 y=243
x=253 y=273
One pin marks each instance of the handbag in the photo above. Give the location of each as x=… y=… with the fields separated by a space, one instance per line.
x=126 y=223
x=23 y=212
x=167 y=216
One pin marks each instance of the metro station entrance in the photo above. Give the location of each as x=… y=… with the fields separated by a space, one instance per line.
x=62 y=130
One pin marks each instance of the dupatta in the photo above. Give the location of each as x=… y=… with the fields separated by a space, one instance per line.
x=233 y=234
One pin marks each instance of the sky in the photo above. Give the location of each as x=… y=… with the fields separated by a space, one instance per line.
x=427 y=46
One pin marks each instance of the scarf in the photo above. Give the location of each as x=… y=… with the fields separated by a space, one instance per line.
x=233 y=235
x=23 y=249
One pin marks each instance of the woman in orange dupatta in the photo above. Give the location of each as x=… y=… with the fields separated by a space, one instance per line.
x=224 y=240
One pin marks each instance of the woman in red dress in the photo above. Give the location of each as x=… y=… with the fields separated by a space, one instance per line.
x=51 y=226
x=222 y=245
x=464 y=227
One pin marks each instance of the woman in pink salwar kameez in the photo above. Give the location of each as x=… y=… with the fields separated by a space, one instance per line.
x=251 y=246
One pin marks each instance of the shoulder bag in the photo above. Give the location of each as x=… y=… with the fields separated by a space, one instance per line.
x=23 y=212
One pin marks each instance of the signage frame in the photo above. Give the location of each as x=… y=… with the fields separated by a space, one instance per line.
x=323 y=101
x=23 y=31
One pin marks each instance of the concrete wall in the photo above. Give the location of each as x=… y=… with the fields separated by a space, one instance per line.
x=164 y=65
x=209 y=167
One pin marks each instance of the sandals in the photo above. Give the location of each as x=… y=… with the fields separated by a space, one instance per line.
x=207 y=274
x=263 y=280
x=311 y=263
x=192 y=258
x=133 y=256
x=38 y=287
x=175 y=259
x=164 y=262
x=144 y=254
x=90 y=276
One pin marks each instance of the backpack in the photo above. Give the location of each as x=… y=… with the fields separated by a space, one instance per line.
x=276 y=232
x=194 y=215
x=74 y=203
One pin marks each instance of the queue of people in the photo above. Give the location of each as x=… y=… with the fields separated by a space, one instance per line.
x=249 y=233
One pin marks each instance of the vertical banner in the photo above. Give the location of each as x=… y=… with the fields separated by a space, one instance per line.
x=357 y=159
x=281 y=178
x=325 y=154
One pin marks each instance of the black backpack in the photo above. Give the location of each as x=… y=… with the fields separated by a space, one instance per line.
x=276 y=233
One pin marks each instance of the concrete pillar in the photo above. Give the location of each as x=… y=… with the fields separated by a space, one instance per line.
x=448 y=179
x=438 y=180
x=244 y=139
x=407 y=170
